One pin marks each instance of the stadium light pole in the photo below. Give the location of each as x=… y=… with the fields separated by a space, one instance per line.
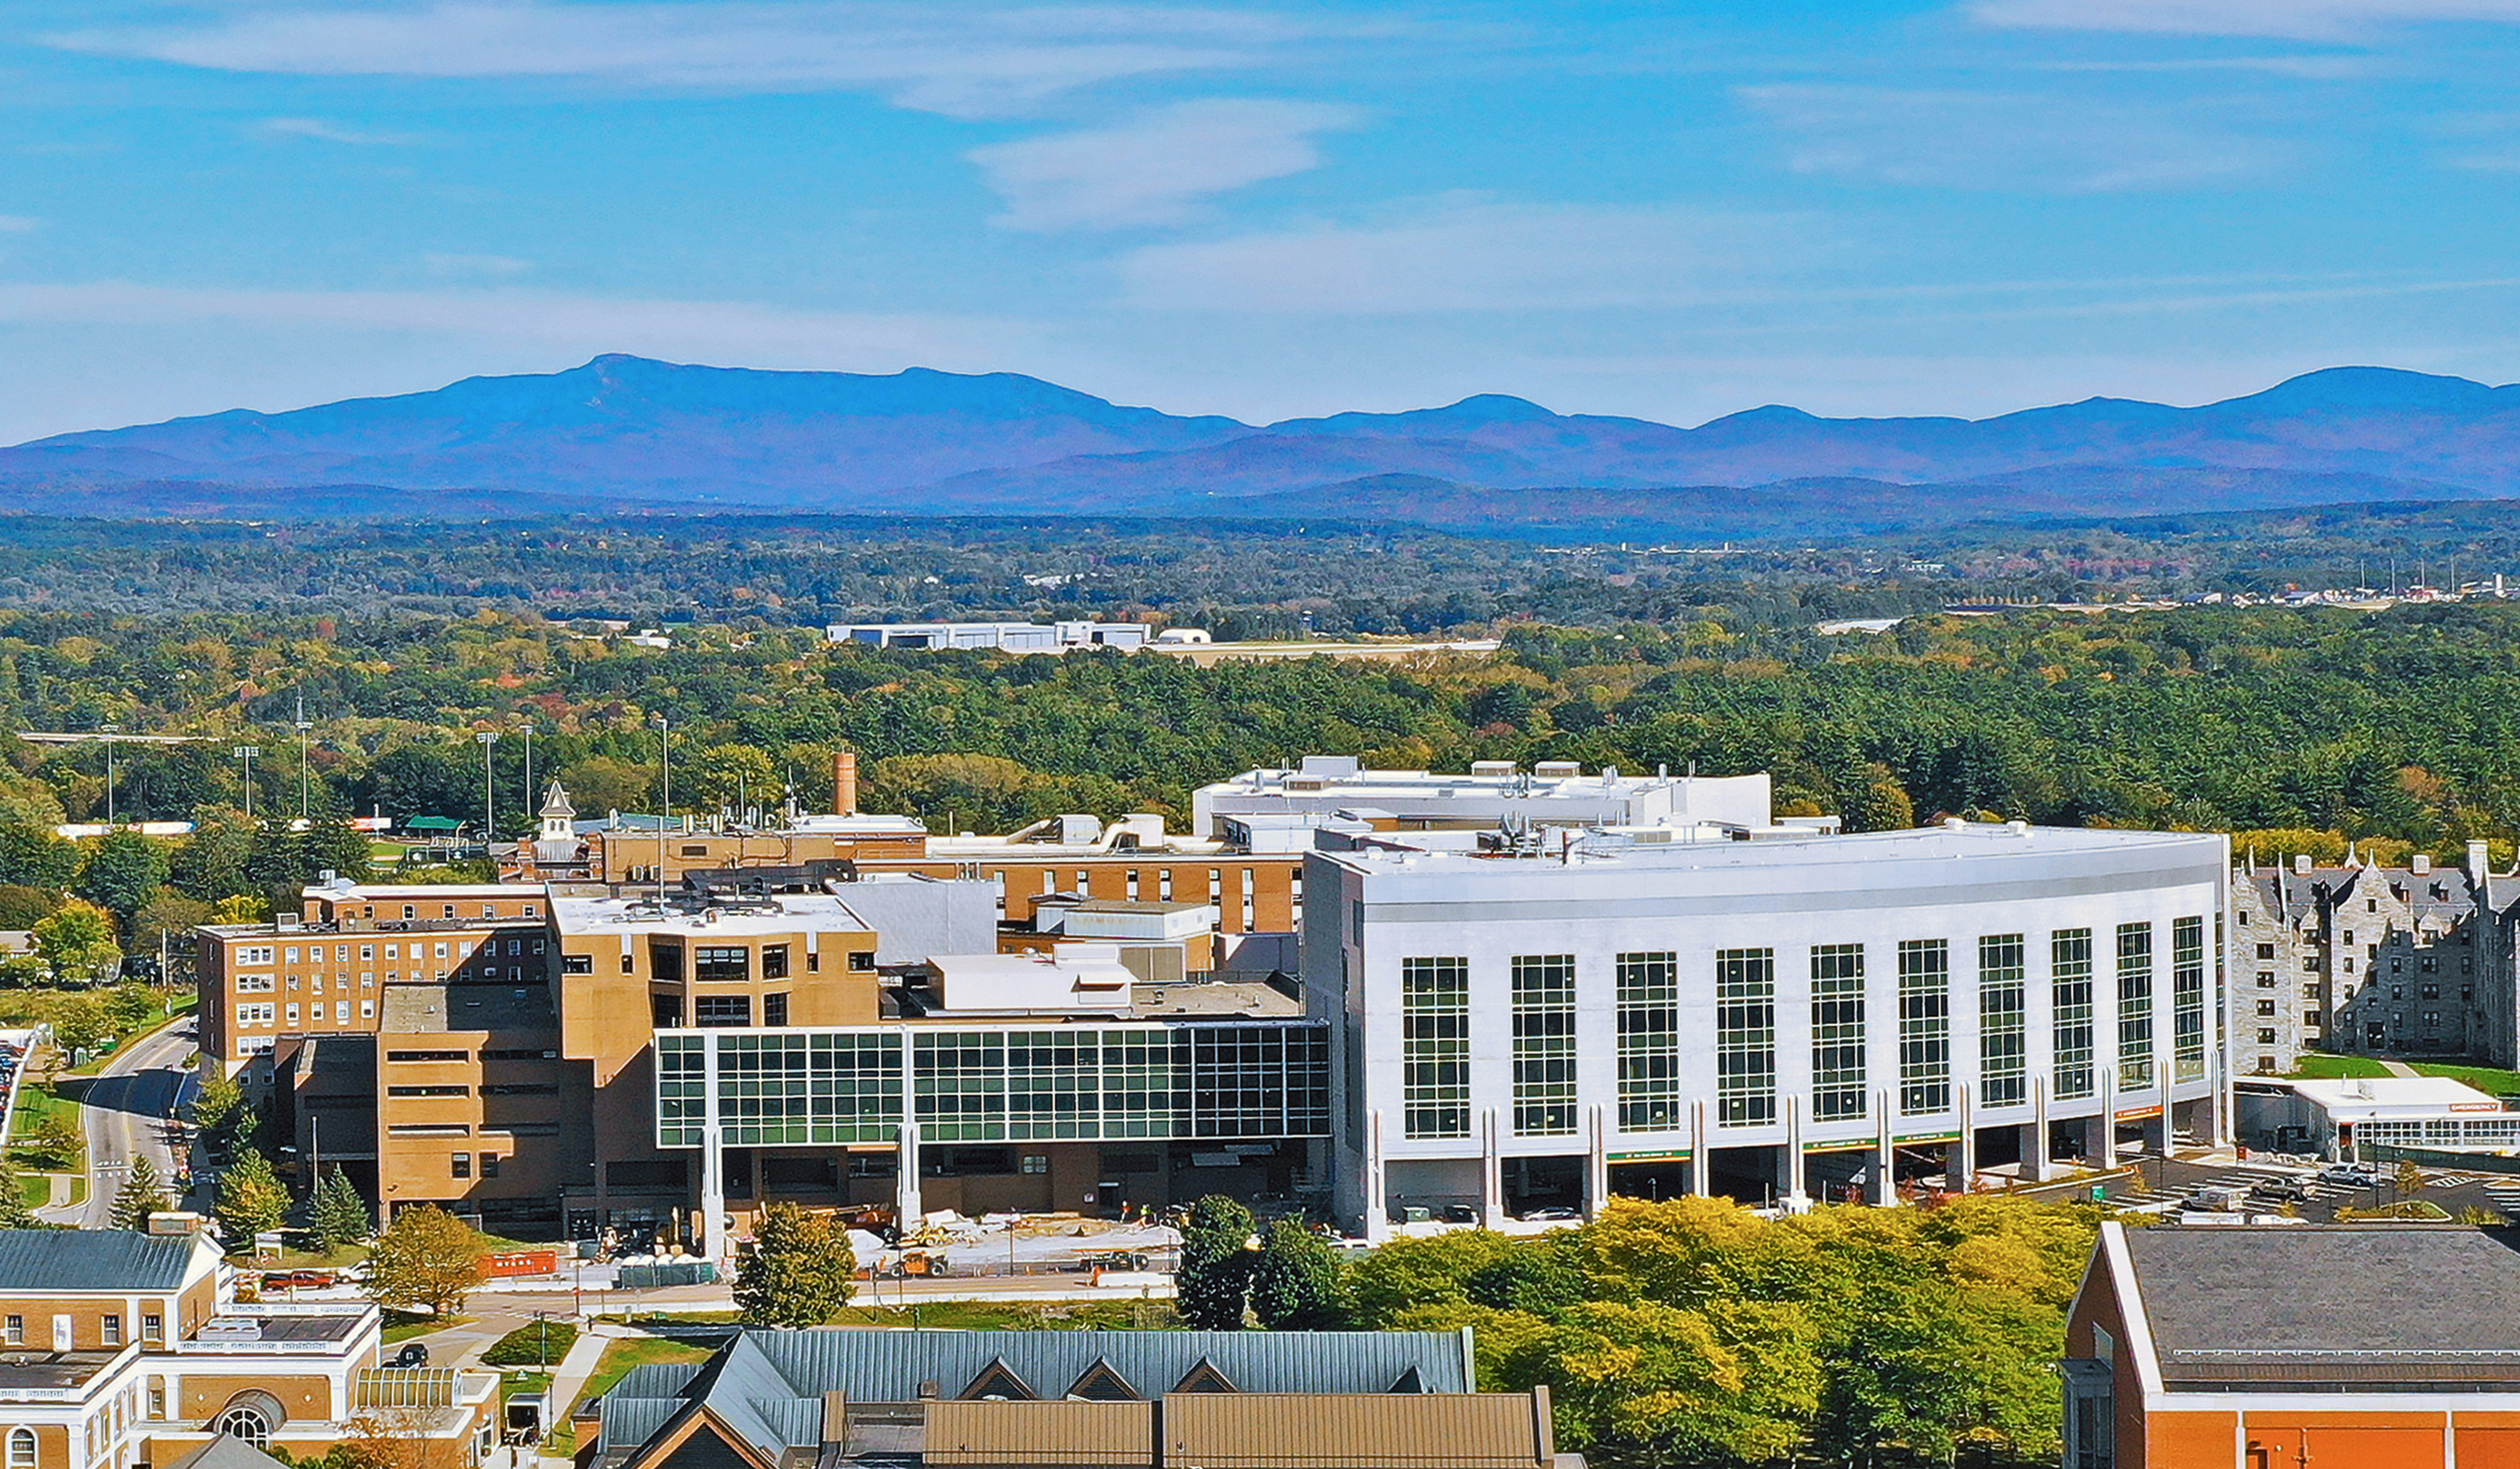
x=109 y=731
x=302 y=726
x=244 y=754
x=489 y=803
x=665 y=760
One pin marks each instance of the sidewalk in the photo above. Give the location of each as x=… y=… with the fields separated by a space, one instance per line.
x=568 y=1379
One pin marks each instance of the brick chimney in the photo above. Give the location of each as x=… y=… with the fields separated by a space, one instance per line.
x=844 y=783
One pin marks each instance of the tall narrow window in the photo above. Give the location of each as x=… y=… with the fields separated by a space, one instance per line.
x=2188 y=998
x=2002 y=1021
x=1648 y=1043
x=2135 y=1007
x=1746 y=1037
x=1436 y=1046
x=1924 y=1025
x=1837 y=1031
x=1543 y=1044
x=2069 y=952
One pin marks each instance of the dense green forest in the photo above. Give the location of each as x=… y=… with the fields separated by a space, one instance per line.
x=1242 y=578
x=2395 y=725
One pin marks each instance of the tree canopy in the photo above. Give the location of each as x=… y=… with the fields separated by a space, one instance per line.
x=1693 y=1333
x=799 y=1270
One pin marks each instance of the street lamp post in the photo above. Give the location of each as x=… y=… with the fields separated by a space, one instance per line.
x=109 y=731
x=244 y=754
x=487 y=739
x=529 y=770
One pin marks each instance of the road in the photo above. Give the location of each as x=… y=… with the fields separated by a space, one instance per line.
x=124 y=1113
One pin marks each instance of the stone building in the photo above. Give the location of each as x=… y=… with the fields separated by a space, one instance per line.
x=2366 y=960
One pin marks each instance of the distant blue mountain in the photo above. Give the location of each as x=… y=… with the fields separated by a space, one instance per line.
x=625 y=428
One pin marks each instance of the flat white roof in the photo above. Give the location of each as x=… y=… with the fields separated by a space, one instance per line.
x=2362 y=1098
x=1788 y=848
x=360 y=891
x=784 y=912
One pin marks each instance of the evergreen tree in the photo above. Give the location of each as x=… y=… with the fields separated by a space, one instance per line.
x=1215 y=1281
x=340 y=1213
x=276 y=863
x=798 y=1272
x=140 y=1196
x=1294 y=1281
x=332 y=844
x=15 y=1212
x=252 y=1199
x=120 y=871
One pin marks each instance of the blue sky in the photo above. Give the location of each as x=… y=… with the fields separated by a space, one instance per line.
x=1673 y=210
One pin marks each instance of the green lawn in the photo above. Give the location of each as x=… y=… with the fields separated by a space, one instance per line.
x=37 y=1102
x=609 y=1368
x=2485 y=1079
x=535 y=1343
x=35 y=1188
x=403 y=1325
x=1017 y=1315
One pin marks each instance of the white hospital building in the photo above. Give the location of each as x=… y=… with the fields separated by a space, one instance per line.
x=1765 y=1014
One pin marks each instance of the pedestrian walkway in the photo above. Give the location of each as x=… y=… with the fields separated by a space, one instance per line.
x=568 y=1379
x=2399 y=1068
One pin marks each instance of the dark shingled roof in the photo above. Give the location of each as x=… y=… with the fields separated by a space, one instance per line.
x=2356 y=1302
x=53 y=1260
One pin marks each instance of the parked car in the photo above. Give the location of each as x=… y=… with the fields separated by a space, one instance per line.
x=1458 y=1214
x=2278 y=1190
x=2351 y=1174
x=1554 y=1213
x=297 y=1279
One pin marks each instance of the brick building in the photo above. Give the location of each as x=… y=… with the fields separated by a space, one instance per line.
x=2352 y=1346
x=120 y=1349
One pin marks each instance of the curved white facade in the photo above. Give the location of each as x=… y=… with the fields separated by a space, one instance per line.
x=1787 y=1007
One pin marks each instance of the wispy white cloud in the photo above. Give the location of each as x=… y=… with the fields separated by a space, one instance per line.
x=735 y=330
x=1158 y=166
x=2006 y=141
x=2294 y=19
x=1460 y=254
x=328 y=132
x=964 y=62
x=17 y=224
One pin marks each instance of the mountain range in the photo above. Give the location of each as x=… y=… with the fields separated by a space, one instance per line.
x=626 y=432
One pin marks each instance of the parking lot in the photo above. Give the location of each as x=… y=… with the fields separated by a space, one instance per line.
x=2165 y=1184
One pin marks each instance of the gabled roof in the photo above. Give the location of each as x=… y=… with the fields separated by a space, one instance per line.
x=76 y=1260
x=226 y=1452
x=1102 y=1382
x=769 y=1386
